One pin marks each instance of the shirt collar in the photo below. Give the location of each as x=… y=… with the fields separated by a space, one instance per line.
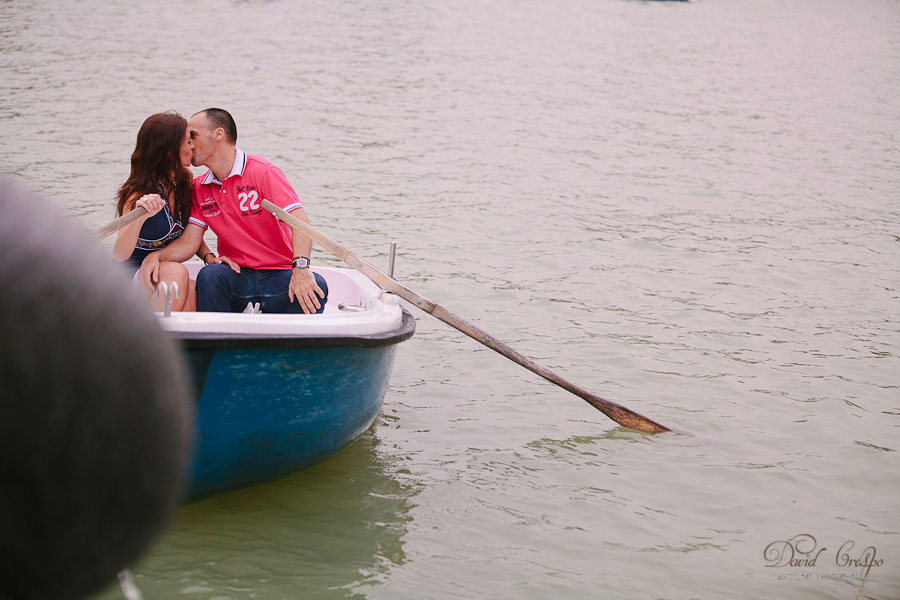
x=240 y=162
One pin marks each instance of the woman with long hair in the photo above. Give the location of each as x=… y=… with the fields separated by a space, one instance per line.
x=160 y=182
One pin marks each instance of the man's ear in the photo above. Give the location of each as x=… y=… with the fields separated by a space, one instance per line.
x=219 y=134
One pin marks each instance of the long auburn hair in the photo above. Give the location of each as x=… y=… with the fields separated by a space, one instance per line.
x=156 y=156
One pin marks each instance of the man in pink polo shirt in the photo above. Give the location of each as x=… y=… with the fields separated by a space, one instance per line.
x=260 y=259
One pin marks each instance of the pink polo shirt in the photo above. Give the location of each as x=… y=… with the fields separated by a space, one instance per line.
x=249 y=235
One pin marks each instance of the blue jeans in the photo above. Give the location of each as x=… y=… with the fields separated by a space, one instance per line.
x=219 y=289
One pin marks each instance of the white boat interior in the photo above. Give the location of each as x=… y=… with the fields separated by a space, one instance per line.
x=356 y=306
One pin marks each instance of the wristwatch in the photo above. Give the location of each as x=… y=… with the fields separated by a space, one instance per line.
x=300 y=263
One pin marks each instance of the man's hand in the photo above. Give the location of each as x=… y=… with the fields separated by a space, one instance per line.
x=148 y=274
x=305 y=290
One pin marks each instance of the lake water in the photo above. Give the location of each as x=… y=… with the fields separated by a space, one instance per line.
x=692 y=209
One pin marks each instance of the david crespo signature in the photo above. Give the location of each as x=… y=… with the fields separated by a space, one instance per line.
x=803 y=551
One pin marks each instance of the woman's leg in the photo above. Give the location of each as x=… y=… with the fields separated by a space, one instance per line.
x=191 y=304
x=173 y=272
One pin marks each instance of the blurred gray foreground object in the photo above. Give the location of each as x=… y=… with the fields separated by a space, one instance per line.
x=95 y=414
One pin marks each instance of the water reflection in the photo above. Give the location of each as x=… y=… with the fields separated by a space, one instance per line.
x=588 y=445
x=323 y=532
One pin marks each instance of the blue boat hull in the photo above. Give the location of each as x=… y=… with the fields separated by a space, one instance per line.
x=271 y=406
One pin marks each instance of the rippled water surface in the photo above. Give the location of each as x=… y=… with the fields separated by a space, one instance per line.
x=692 y=209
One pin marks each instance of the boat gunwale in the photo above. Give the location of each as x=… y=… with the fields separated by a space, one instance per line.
x=197 y=339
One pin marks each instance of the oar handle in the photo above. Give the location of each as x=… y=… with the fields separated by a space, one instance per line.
x=120 y=222
x=351 y=258
x=616 y=412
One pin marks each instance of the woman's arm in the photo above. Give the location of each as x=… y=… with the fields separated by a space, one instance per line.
x=203 y=251
x=128 y=235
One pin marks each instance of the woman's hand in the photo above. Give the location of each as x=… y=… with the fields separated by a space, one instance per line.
x=224 y=260
x=152 y=203
x=128 y=235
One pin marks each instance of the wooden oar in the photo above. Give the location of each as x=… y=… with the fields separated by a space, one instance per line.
x=119 y=222
x=616 y=412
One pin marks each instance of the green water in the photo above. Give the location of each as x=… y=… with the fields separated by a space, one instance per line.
x=689 y=208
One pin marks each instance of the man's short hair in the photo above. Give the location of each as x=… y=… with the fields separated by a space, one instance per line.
x=221 y=118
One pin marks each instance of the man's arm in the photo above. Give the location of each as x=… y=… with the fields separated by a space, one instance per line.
x=177 y=251
x=303 y=286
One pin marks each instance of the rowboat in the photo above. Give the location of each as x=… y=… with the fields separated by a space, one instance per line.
x=277 y=393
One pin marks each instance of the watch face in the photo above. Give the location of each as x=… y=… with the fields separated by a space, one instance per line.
x=301 y=263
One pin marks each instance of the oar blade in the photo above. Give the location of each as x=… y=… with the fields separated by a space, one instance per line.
x=625 y=416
